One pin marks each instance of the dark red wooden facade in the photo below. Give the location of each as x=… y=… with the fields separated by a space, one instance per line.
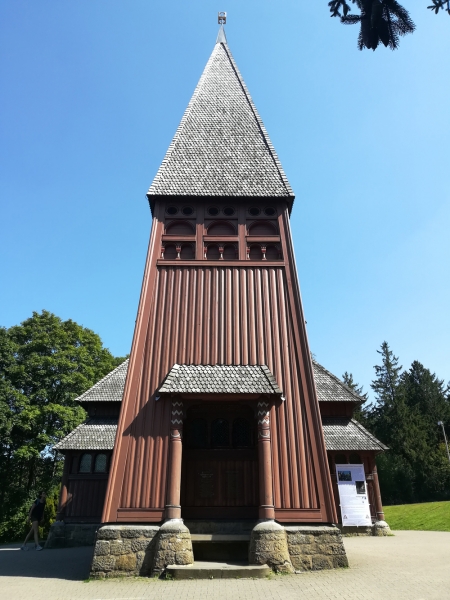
x=206 y=311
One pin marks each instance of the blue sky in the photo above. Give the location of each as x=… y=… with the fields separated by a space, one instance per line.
x=91 y=94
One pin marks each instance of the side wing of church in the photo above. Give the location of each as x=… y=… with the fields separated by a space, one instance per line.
x=219 y=418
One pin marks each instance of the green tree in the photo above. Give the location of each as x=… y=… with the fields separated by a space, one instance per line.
x=382 y=21
x=408 y=406
x=45 y=363
x=361 y=412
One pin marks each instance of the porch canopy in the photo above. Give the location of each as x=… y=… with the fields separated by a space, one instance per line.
x=216 y=381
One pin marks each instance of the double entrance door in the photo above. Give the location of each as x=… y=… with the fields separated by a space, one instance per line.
x=220 y=462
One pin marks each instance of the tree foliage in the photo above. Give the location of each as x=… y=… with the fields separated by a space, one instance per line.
x=45 y=363
x=408 y=406
x=382 y=21
x=360 y=412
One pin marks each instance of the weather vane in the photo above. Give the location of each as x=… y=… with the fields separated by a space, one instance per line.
x=222 y=18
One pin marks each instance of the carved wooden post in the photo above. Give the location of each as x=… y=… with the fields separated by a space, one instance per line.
x=266 y=507
x=173 y=507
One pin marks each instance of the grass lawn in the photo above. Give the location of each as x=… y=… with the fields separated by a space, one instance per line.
x=429 y=516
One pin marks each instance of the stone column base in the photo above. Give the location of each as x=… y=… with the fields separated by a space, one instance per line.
x=316 y=547
x=69 y=535
x=381 y=528
x=124 y=551
x=268 y=546
x=173 y=546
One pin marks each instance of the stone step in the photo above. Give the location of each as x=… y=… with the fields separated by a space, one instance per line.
x=220 y=537
x=218 y=570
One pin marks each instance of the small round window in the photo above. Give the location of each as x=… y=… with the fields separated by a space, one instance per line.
x=270 y=211
x=228 y=211
x=171 y=210
x=213 y=211
x=254 y=211
x=187 y=210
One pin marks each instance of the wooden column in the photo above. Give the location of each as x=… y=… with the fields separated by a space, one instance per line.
x=173 y=507
x=266 y=507
x=376 y=490
x=377 y=494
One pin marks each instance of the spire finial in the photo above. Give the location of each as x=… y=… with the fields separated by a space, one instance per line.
x=221 y=19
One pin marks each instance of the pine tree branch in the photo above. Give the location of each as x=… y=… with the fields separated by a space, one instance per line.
x=380 y=20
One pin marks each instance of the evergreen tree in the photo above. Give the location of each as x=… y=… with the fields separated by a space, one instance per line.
x=408 y=406
x=379 y=20
x=361 y=412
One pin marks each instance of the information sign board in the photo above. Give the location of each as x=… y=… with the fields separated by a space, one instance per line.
x=353 y=496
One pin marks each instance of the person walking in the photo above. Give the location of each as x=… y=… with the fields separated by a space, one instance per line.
x=35 y=516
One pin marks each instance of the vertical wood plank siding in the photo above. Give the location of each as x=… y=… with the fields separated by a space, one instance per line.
x=212 y=315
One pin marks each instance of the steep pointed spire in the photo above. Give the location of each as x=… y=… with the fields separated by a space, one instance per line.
x=221 y=147
x=221 y=37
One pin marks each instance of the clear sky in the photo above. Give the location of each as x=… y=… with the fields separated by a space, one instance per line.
x=91 y=93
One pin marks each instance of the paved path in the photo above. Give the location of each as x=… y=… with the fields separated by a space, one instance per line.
x=413 y=565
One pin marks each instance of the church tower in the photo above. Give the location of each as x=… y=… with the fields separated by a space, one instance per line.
x=220 y=418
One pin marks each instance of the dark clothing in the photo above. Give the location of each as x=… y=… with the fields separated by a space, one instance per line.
x=38 y=510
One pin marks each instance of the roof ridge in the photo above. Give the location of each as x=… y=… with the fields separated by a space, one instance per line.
x=184 y=118
x=339 y=381
x=101 y=381
x=261 y=126
x=367 y=432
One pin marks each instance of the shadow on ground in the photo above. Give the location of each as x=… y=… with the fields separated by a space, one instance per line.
x=66 y=563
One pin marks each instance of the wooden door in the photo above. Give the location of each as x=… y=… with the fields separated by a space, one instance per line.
x=220 y=462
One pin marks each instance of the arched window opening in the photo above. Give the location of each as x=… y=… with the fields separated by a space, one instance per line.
x=85 y=463
x=212 y=252
x=272 y=253
x=187 y=252
x=101 y=461
x=263 y=228
x=221 y=228
x=340 y=459
x=242 y=437
x=355 y=459
x=255 y=252
x=198 y=434
x=180 y=228
x=220 y=433
x=170 y=252
x=229 y=252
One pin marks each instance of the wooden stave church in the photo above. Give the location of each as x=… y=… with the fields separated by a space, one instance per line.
x=88 y=448
x=220 y=306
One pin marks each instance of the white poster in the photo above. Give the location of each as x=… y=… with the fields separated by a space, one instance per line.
x=353 y=496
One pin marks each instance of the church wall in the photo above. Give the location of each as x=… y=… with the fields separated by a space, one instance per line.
x=217 y=313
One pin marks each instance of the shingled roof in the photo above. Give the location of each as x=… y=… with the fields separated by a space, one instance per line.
x=331 y=389
x=342 y=433
x=220 y=379
x=94 y=434
x=221 y=147
x=108 y=389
